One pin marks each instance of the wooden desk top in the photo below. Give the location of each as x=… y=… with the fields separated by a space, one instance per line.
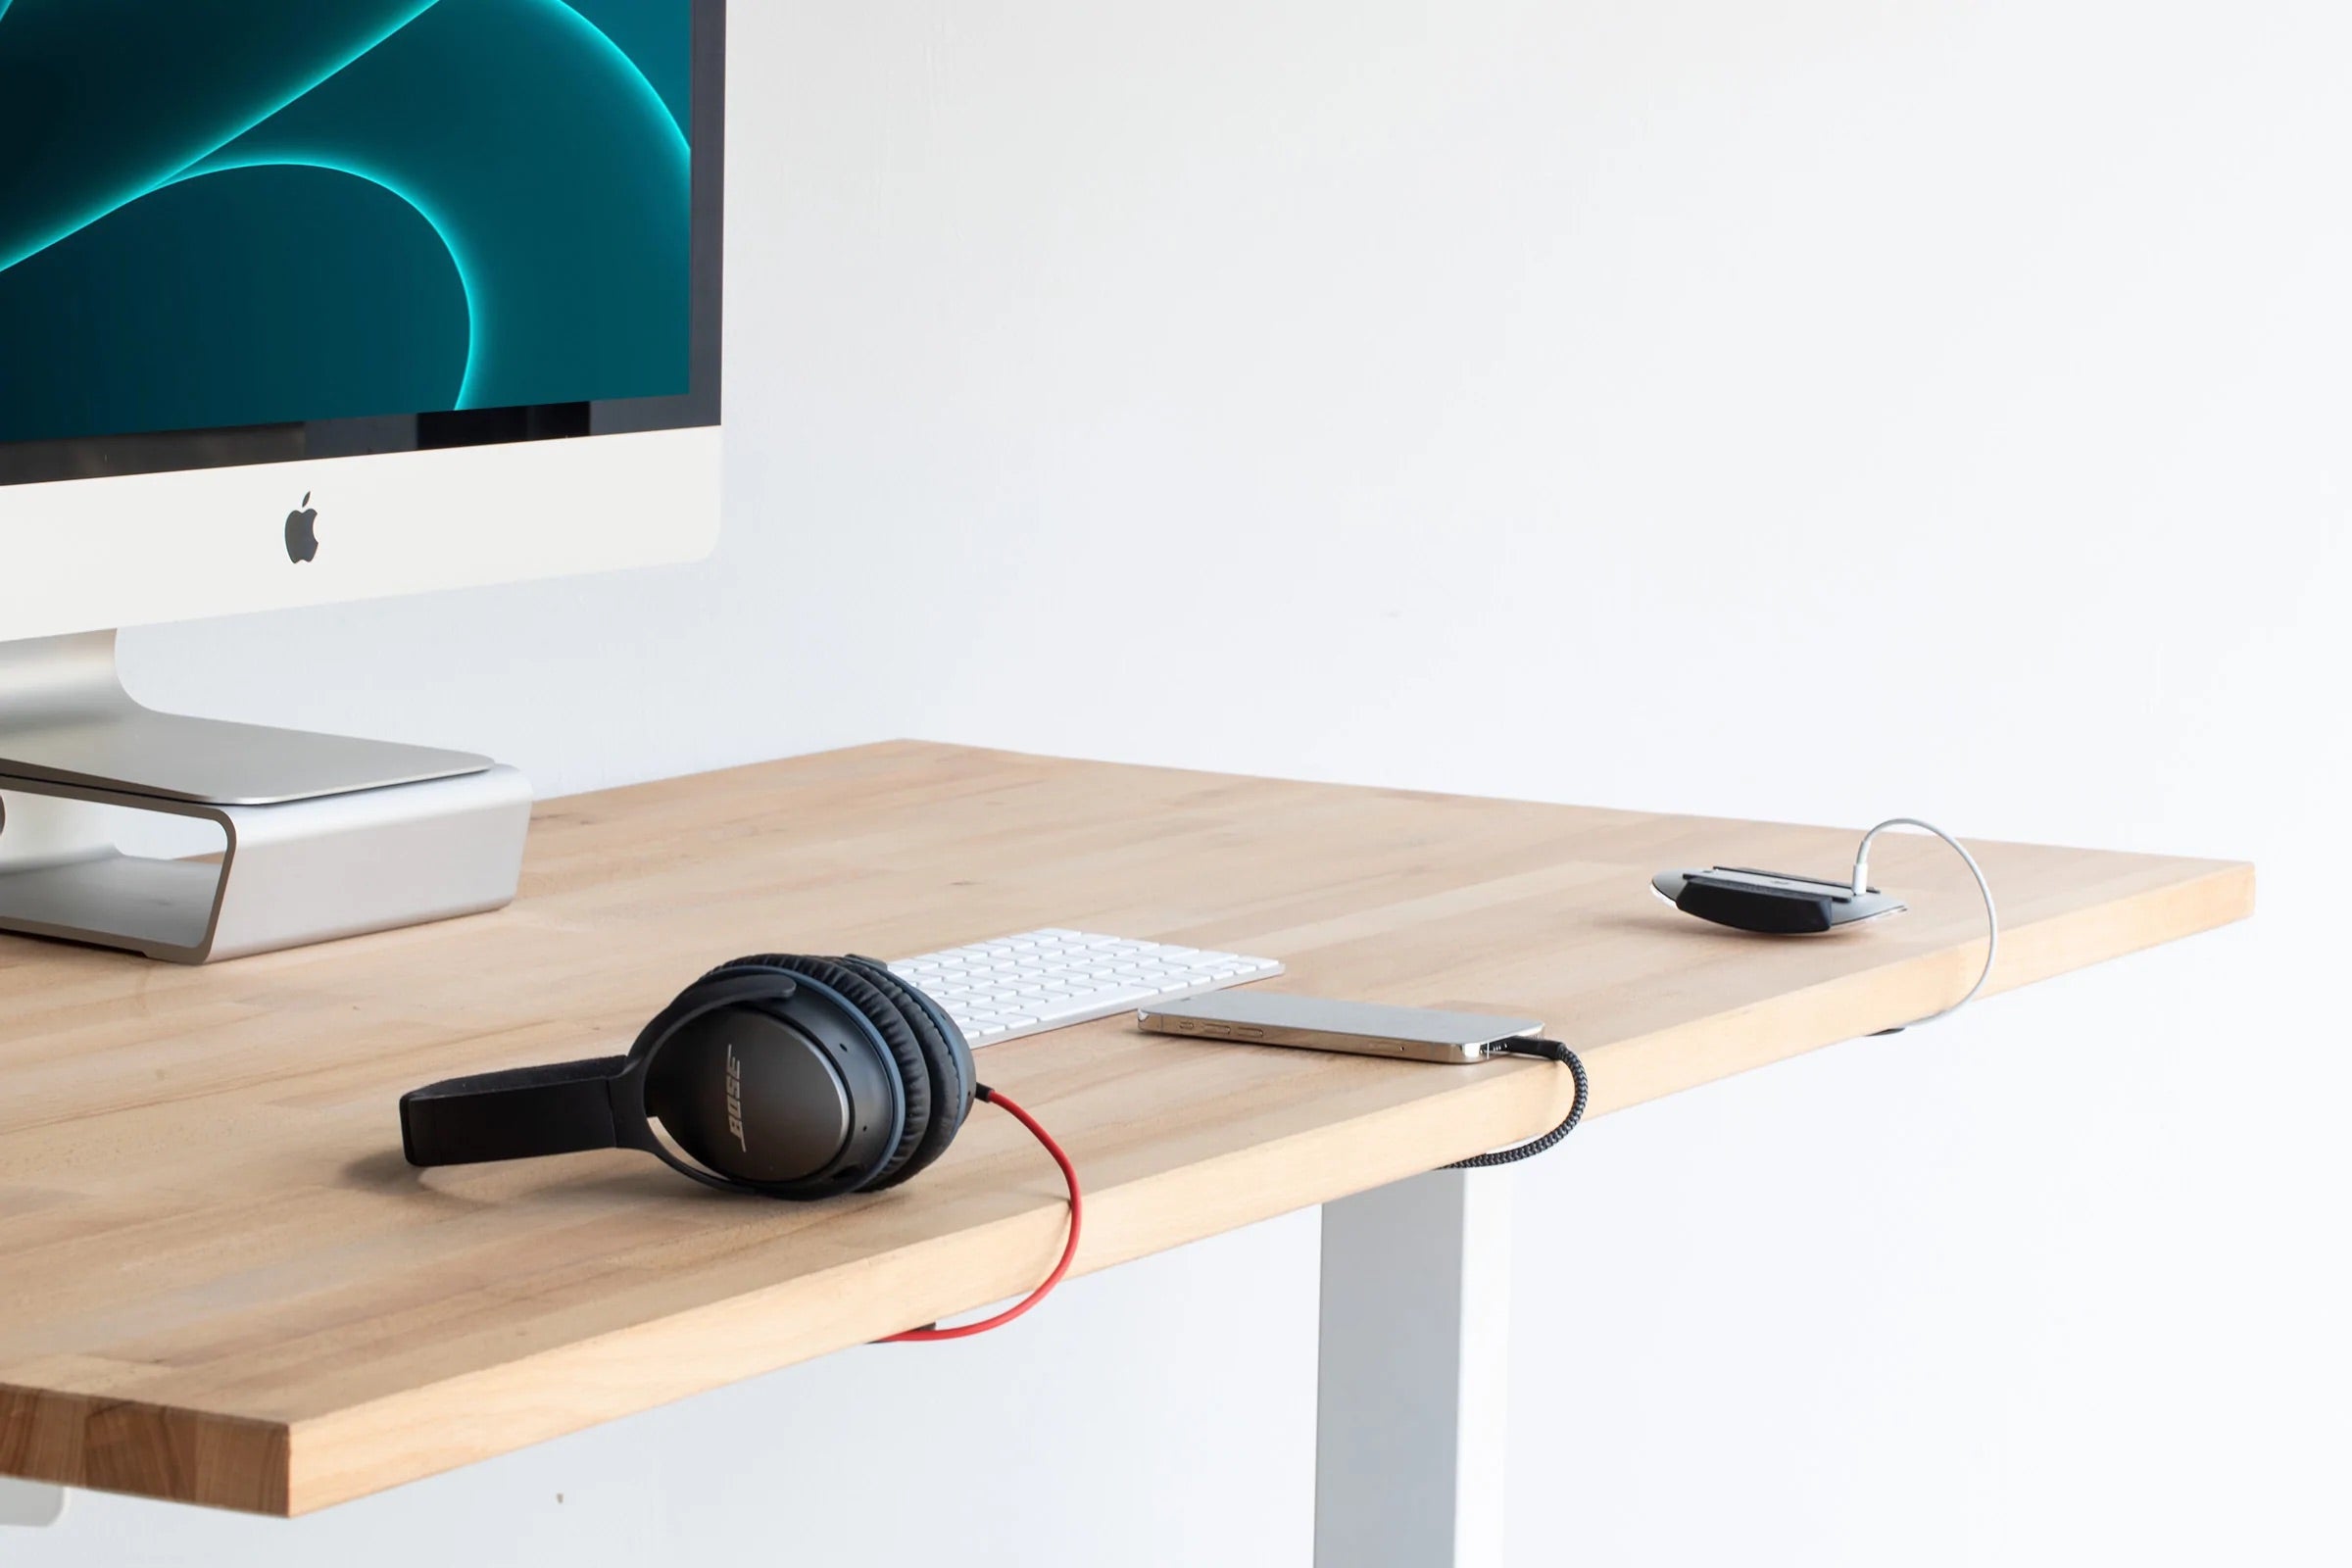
x=219 y=1283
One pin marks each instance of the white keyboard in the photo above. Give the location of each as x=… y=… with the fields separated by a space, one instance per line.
x=1040 y=980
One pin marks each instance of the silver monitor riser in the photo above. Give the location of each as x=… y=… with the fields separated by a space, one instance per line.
x=322 y=836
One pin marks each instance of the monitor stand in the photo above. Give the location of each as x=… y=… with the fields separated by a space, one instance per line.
x=320 y=836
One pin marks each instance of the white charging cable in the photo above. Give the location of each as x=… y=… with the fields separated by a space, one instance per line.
x=1992 y=919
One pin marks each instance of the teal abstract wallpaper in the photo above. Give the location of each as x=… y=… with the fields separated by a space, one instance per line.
x=218 y=213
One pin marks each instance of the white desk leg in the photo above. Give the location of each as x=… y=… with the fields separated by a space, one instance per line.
x=29 y=1503
x=1414 y=1374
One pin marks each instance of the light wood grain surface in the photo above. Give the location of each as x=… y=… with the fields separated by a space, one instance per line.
x=219 y=1283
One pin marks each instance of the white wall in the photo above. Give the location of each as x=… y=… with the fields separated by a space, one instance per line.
x=1813 y=410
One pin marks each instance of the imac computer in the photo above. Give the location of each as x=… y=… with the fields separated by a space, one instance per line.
x=305 y=301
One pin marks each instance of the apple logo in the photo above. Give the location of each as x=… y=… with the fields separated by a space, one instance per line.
x=302 y=535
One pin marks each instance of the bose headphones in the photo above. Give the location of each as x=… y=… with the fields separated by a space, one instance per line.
x=786 y=1076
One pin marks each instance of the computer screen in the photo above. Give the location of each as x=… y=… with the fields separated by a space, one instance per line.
x=237 y=232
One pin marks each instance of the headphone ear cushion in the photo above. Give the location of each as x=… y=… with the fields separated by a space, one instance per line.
x=945 y=1055
x=889 y=1019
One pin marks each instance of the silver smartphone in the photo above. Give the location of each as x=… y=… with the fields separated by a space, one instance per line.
x=1364 y=1028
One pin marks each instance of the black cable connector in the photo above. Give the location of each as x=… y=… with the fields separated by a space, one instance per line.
x=1547 y=1050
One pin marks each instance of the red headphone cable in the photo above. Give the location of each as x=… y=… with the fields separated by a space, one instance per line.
x=1069 y=1249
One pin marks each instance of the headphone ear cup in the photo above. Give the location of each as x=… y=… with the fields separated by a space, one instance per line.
x=889 y=1020
x=751 y=1098
x=947 y=1059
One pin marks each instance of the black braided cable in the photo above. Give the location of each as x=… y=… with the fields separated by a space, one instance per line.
x=1547 y=1050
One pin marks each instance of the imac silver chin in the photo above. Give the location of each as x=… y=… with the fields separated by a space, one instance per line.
x=549 y=407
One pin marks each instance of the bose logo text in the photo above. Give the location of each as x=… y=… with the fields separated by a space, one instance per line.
x=735 y=1100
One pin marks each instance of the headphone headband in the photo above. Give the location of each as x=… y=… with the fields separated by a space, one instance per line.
x=516 y=1115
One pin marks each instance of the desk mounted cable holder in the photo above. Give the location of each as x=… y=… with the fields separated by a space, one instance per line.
x=321 y=836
